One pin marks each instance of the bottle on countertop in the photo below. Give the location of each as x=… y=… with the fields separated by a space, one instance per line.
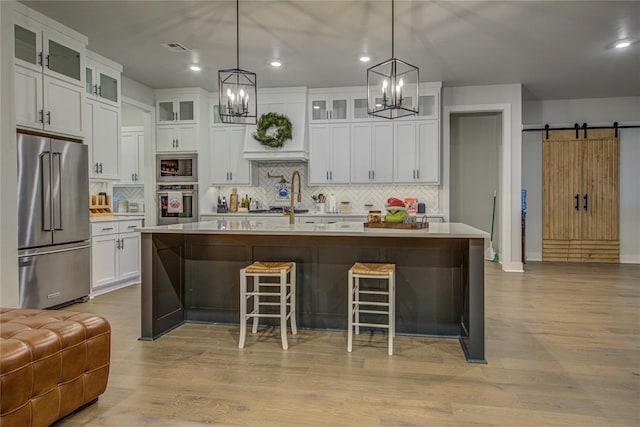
x=233 y=200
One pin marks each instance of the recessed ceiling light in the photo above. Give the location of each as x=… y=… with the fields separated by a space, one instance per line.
x=195 y=68
x=276 y=63
x=365 y=58
x=316 y=107
x=622 y=44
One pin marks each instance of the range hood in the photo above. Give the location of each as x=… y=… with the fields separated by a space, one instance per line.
x=291 y=102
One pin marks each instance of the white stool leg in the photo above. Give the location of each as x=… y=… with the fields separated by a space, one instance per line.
x=283 y=308
x=392 y=310
x=356 y=297
x=350 y=321
x=293 y=310
x=243 y=308
x=256 y=303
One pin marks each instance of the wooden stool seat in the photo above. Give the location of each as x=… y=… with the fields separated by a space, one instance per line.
x=259 y=267
x=370 y=269
x=378 y=302
x=280 y=293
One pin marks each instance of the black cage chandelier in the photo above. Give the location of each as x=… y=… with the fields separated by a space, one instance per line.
x=392 y=85
x=237 y=97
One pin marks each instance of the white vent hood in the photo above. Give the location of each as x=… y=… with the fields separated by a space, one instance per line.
x=292 y=102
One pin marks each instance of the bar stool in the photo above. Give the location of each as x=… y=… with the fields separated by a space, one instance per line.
x=265 y=293
x=377 y=306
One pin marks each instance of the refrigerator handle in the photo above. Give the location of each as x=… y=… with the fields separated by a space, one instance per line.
x=57 y=193
x=45 y=192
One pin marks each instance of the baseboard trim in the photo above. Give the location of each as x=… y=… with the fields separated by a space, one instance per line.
x=513 y=267
x=629 y=259
x=534 y=256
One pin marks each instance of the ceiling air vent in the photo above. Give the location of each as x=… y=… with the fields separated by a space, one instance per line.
x=175 y=47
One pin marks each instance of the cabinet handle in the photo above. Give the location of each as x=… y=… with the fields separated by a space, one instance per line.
x=373 y=175
x=577 y=197
x=231 y=175
x=107 y=228
x=369 y=174
x=96 y=168
x=41 y=116
x=175 y=116
x=418 y=173
x=99 y=90
x=133 y=177
x=121 y=243
x=327 y=175
x=586 y=201
x=48 y=62
x=136 y=176
x=100 y=167
x=48 y=117
x=414 y=174
x=177 y=141
x=331 y=175
x=132 y=226
x=39 y=58
x=95 y=89
x=117 y=243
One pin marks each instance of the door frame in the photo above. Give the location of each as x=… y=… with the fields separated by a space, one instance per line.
x=509 y=212
x=149 y=119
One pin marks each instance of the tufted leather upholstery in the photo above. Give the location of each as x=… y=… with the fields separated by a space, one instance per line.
x=51 y=363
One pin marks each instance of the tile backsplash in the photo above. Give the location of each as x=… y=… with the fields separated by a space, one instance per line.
x=357 y=194
x=130 y=194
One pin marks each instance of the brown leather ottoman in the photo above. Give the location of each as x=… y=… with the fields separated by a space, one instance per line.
x=51 y=363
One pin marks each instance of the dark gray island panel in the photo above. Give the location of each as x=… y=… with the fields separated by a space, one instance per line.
x=194 y=277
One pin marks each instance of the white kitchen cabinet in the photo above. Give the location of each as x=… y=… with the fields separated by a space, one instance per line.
x=177 y=111
x=417 y=152
x=115 y=254
x=48 y=78
x=176 y=138
x=329 y=154
x=103 y=138
x=226 y=156
x=328 y=108
x=372 y=152
x=102 y=79
x=132 y=155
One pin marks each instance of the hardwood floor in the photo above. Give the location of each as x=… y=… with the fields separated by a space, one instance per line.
x=563 y=348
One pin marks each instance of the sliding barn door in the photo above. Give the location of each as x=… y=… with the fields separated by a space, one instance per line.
x=580 y=197
x=600 y=211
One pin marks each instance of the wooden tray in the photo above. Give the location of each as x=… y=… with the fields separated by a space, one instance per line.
x=414 y=226
x=99 y=206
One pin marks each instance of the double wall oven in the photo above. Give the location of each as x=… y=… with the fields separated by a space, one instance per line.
x=177 y=188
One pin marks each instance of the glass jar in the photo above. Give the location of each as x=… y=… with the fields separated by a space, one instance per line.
x=374 y=217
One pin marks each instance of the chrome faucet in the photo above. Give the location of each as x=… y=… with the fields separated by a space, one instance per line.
x=292 y=211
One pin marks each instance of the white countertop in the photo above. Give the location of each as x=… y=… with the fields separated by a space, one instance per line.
x=307 y=214
x=356 y=229
x=117 y=218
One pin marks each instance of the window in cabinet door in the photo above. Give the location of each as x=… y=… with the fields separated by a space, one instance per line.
x=25 y=44
x=319 y=110
x=165 y=111
x=339 y=109
x=186 y=110
x=64 y=60
x=426 y=105
x=360 y=108
x=108 y=87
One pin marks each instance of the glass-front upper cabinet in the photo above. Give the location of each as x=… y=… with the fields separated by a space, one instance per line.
x=102 y=79
x=177 y=111
x=429 y=102
x=327 y=108
x=42 y=49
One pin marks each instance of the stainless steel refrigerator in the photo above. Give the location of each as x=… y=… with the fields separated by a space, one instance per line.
x=54 y=249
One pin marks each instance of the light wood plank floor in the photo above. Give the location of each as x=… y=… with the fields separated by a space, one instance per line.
x=563 y=348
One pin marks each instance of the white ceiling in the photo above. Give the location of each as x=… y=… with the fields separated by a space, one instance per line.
x=557 y=50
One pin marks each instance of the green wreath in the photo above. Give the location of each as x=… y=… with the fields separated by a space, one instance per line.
x=266 y=122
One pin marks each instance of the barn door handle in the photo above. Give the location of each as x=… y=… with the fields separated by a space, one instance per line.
x=577 y=202
x=586 y=201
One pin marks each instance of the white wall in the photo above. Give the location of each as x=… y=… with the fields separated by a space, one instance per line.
x=8 y=164
x=601 y=111
x=475 y=164
x=508 y=99
x=137 y=91
x=131 y=116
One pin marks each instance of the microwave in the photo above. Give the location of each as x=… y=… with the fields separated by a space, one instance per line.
x=177 y=168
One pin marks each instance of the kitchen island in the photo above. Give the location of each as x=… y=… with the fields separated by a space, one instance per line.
x=190 y=273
